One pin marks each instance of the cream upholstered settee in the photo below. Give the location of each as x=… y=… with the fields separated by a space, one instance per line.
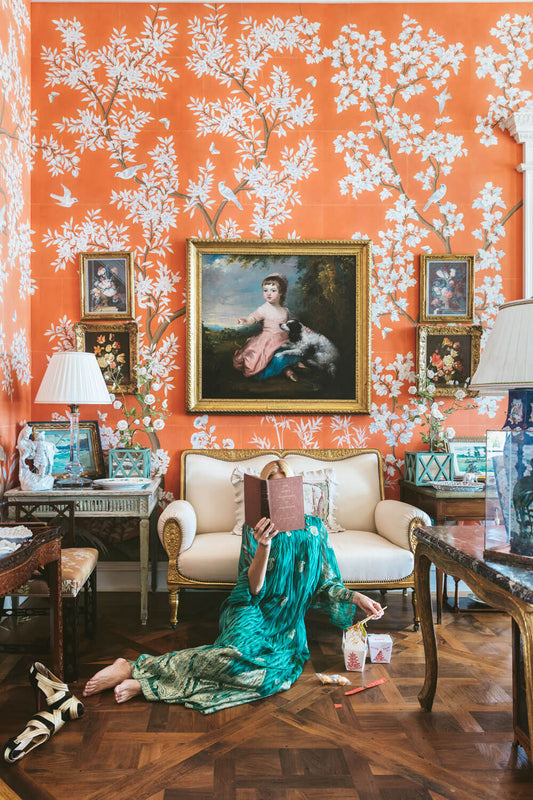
x=373 y=542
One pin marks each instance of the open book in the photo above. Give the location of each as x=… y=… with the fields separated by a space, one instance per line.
x=281 y=500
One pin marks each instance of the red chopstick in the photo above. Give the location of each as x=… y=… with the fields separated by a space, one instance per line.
x=366 y=686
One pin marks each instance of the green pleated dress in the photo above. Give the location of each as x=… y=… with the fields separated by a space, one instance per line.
x=262 y=646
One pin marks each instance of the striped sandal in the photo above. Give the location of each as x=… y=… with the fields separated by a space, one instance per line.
x=56 y=693
x=39 y=729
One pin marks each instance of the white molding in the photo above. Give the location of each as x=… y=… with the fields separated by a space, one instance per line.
x=520 y=126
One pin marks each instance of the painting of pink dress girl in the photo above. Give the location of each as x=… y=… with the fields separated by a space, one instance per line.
x=261 y=355
x=242 y=333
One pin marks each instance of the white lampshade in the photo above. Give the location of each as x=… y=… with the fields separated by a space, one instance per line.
x=73 y=378
x=507 y=360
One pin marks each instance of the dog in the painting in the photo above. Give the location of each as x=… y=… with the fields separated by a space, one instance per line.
x=313 y=349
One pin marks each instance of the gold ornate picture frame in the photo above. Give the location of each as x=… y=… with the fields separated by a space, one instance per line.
x=447 y=288
x=107 y=285
x=447 y=357
x=238 y=358
x=116 y=347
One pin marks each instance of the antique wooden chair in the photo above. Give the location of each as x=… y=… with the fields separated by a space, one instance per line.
x=78 y=572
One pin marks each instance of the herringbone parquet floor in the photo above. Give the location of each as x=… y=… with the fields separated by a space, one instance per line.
x=310 y=743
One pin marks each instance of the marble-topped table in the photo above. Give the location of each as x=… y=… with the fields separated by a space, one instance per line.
x=458 y=551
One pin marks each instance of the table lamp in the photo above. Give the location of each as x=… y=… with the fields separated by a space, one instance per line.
x=75 y=379
x=506 y=365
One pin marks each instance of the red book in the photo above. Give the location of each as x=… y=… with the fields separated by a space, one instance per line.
x=281 y=500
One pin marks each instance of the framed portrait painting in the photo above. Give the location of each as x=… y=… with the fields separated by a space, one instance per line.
x=447 y=288
x=115 y=345
x=278 y=326
x=107 y=286
x=447 y=357
x=58 y=433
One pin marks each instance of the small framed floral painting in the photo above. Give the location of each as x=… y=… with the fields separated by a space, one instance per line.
x=447 y=357
x=115 y=345
x=447 y=288
x=107 y=286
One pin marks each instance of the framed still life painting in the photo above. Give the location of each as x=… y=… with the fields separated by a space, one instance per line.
x=447 y=357
x=447 y=288
x=115 y=345
x=278 y=326
x=107 y=286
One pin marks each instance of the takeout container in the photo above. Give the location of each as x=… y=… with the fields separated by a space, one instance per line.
x=354 y=646
x=379 y=647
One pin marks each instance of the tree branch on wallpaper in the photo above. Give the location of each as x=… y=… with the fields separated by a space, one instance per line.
x=252 y=102
x=15 y=166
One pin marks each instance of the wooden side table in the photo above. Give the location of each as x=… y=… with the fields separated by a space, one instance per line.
x=444 y=506
x=140 y=504
x=42 y=550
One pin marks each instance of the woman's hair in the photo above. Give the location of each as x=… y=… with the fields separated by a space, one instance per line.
x=281 y=282
x=277 y=467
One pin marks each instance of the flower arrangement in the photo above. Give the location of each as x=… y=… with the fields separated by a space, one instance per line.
x=146 y=416
x=430 y=415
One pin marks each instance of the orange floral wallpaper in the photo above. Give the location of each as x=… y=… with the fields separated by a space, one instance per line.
x=324 y=121
x=16 y=284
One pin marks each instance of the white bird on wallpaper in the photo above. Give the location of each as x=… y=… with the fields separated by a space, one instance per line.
x=15 y=315
x=165 y=121
x=129 y=172
x=3 y=226
x=52 y=96
x=226 y=192
x=65 y=199
x=312 y=80
x=441 y=99
x=437 y=196
x=213 y=150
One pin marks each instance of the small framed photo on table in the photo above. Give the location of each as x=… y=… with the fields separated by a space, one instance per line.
x=115 y=345
x=447 y=288
x=447 y=357
x=469 y=456
x=107 y=286
x=58 y=433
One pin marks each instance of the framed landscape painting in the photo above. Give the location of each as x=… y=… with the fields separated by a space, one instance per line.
x=58 y=433
x=447 y=357
x=447 y=288
x=278 y=326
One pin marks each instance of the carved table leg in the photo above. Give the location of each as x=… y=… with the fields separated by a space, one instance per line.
x=422 y=570
x=53 y=576
x=144 y=535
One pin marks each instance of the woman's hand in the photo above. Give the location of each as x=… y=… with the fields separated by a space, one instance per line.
x=367 y=605
x=264 y=531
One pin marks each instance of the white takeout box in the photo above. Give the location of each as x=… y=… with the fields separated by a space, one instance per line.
x=354 y=645
x=379 y=647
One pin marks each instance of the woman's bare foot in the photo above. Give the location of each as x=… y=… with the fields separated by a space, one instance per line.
x=108 y=677
x=126 y=690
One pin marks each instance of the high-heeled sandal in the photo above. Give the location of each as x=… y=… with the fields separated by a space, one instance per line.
x=38 y=730
x=55 y=692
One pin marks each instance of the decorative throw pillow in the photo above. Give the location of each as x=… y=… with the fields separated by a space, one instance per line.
x=319 y=496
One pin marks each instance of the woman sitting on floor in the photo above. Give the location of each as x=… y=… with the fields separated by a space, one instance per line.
x=262 y=645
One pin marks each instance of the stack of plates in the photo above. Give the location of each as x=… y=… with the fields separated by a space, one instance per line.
x=122 y=484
